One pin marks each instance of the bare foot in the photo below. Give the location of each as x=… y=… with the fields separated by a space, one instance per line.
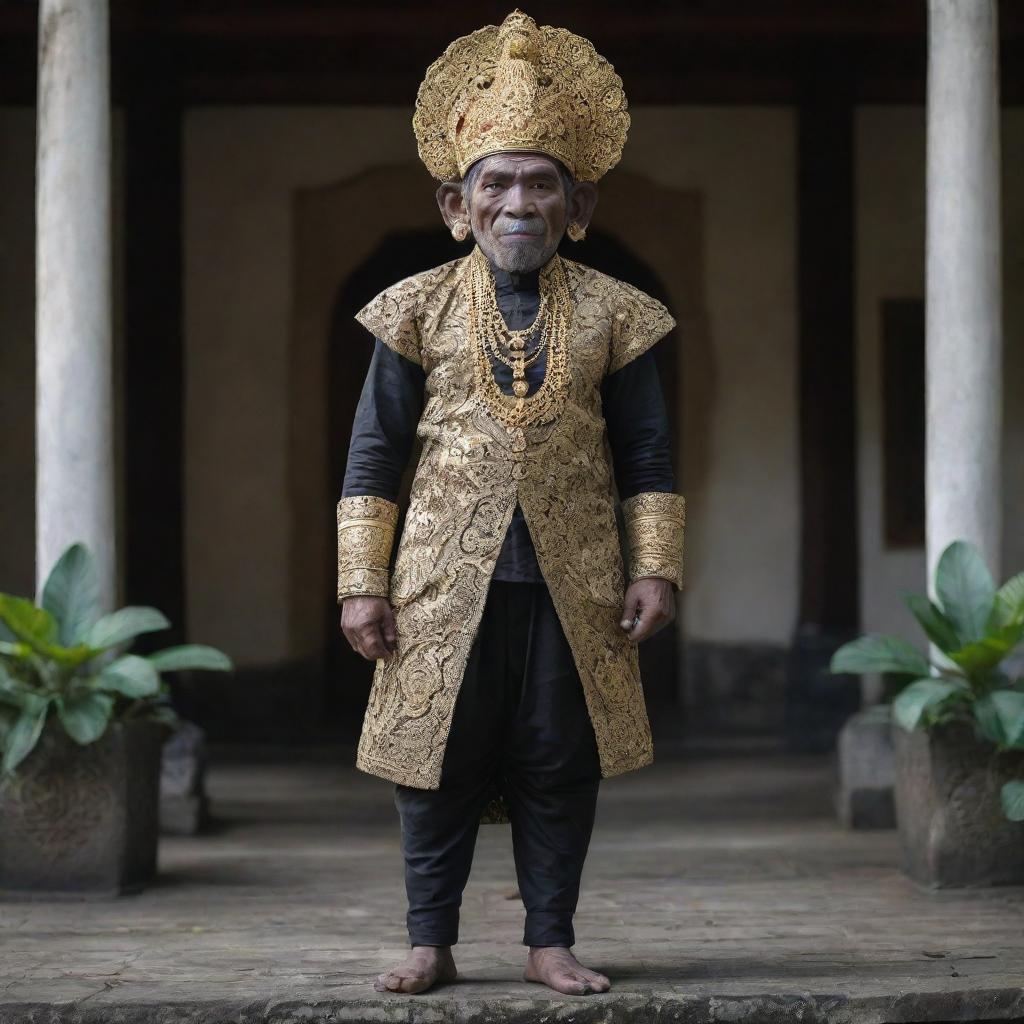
x=556 y=967
x=422 y=968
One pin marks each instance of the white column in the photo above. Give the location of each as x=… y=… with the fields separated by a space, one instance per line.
x=963 y=293
x=74 y=392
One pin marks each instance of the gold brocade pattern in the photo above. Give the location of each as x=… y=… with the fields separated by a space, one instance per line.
x=520 y=87
x=366 y=531
x=471 y=471
x=655 y=523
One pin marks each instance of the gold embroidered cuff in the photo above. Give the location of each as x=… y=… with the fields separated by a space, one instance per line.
x=655 y=522
x=366 y=530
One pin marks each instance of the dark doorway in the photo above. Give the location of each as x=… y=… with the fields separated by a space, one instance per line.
x=401 y=254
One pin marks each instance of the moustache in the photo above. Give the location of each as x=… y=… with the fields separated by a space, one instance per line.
x=520 y=226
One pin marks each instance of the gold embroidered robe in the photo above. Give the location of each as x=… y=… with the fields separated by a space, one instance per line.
x=470 y=473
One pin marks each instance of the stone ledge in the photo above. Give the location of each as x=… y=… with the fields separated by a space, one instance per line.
x=995 y=1004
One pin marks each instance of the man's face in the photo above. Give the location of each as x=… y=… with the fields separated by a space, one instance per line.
x=517 y=210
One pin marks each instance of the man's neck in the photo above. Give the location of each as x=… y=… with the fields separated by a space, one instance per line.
x=508 y=281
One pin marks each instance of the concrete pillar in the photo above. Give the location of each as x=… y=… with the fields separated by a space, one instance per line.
x=74 y=416
x=963 y=290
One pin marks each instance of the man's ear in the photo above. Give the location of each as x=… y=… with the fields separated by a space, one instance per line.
x=582 y=203
x=450 y=203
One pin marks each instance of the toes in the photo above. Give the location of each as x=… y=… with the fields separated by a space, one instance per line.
x=395 y=982
x=414 y=983
x=573 y=984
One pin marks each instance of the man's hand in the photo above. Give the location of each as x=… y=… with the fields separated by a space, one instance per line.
x=653 y=600
x=369 y=626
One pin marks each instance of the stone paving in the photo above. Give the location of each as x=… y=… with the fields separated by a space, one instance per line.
x=717 y=889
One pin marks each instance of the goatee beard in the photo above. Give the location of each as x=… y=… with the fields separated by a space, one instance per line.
x=518 y=258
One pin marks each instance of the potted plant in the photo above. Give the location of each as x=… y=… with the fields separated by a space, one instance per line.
x=81 y=726
x=960 y=736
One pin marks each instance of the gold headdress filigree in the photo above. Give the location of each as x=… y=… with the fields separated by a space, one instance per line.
x=520 y=87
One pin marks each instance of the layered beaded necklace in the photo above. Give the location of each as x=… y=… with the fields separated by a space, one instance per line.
x=519 y=349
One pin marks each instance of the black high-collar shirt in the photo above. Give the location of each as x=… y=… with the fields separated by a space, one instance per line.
x=384 y=430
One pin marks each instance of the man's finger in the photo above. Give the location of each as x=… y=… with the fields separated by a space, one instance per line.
x=629 y=610
x=388 y=629
x=372 y=642
x=651 y=620
x=640 y=628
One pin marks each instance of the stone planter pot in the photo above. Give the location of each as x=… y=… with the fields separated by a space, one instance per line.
x=83 y=819
x=951 y=823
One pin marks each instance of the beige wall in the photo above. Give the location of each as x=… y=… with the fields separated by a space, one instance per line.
x=890 y=264
x=742 y=548
x=243 y=168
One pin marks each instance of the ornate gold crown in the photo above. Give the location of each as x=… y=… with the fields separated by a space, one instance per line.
x=520 y=87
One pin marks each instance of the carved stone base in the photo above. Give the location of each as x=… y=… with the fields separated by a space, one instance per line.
x=83 y=818
x=184 y=808
x=867 y=770
x=951 y=823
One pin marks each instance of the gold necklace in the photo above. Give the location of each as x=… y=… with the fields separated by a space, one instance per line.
x=488 y=333
x=517 y=355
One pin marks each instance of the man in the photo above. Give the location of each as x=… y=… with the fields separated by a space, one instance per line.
x=506 y=637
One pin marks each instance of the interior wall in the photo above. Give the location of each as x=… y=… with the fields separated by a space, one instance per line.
x=242 y=167
x=742 y=555
x=890 y=264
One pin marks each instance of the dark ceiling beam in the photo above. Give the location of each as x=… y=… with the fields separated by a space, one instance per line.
x=743 y=51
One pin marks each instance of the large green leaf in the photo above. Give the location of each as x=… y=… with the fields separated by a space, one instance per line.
x=922 y=696
x=130 y=676
x=965 y=590
x=85 y=714
x=936 y=626
x=36 y=626
x=124 y=624
x=8 y=716
x=22 y=737
x=985 y=654
x=191 y=656
x=1013 y=799
x=1009 y=603
x=1000 y=714
x=71 y=594
x=878 y=653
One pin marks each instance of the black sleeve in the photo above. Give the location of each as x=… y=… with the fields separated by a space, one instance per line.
x=384 y=428
x=638 y=428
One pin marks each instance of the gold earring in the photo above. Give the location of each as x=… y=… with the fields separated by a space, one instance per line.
x=576 y=232
x=460 y=231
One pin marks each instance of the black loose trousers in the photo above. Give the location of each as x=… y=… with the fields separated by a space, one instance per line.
x=521 y=722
